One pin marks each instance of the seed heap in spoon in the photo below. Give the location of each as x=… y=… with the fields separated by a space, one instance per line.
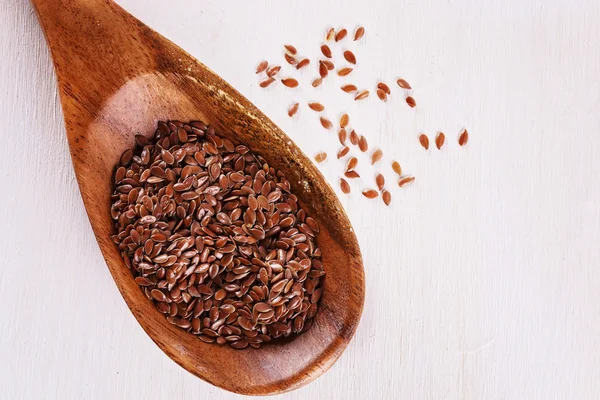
x=215 y=238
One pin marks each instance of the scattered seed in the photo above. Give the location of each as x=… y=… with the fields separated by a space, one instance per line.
x=344 y=71
x=381 y=94
x=330 y=66
x=291 y=49
x=362 y=144
x=345 y=186
x=343 y=151
x=424 y=140
x=384 y=87
x=317 y=82
x=352 y=164
x=330 y=34
x=261 y=67
x=349 y=56
x=361 y=95
x=342 y=135
x=439 y=140
x=316 y=106
x=303 y=63
x=370 y=193
x=344 y=120
x=359 y=33
x=323 y=71
x=271 y=72
x=405 y=181
x=320 y=157
x=387 y=197
x=396 y=167
x=289 y=82
x=266 y=82
x=349 y=88
x=326 y=50
x=403 y=84
x=326 y=123
x=341 y=34
x=353 y=137
x=351 y=174
x=293 y=109
x=380 y=180
x=376 y=156
x=290 y=59
x=411 y=102
x=463 y=138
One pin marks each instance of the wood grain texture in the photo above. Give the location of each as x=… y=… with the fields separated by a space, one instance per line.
x=116 y=78
x=482 y=276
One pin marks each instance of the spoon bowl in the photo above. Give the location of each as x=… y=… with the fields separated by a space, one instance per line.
x=117 y=78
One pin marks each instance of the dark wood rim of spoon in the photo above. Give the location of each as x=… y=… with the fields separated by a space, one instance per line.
x=117 y=77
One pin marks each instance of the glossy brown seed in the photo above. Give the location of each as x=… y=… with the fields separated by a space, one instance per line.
x=381 y=94
x=350 y=57
x=370 y=193
x=376 y=156
x=387 y=197
x=315 y=106
x=360 y=31
x=411 y=102
x=317 y=82
x=303 y=63
x=326 y=123
x=362 y=144
x=424 y=140
x=330 y=66
x=290 y=49
x=380 y=180
x=361 y=95
x=330 y=34
x=396 y=167
x=271 y=72
x=345 y=186
x=463 y=138
x=343 y=151
x=349 y=88
x=344 y=120
x=439 y=140
x=326 y=50
x=342 y=135
x=320 y=157
x=403 y=84
x=406 y=180
x=323 y=71
x=354 y=137
x=290 y=59
x=261 y=67
x=289 y=82
x=384 y=87
x=266 y=82
x=341 y=34
x=351 y=174
x=344 y=71
x=293 y=109
x=352 y=163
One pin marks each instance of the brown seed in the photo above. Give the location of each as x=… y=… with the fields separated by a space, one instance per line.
x=380 y=180
x=352 y=163
x=320 y=157
x=330 y=66
x=290 y=59
x=289 y=82
x=384 y=87
x=463 y=138
x=406 y=180
x=387 y=197
x=344 y=120
x=341 y=34
x=349 y=88
x=360 y=31
x=403 y=84
x=370 y=193
x=354 y=137
x=291 y=49
x=261 y=67
x=381 y=94
x=303 y=63
x=317 y=82
x=293 y=109
x=316 y=106
x=326 y=50
x=362 y=144
x=266 y=82
x=330 y=34
x=439 y=140
x=411 y=102
x=342 y=135
x=376 y=156
x=424 y=140
x=344 y=71
x=349 y=56
x=351 y=174
x=396 y=167
x=345 y=186
x=271 y=72
x=343 y=151
x=326 y=123
x=361 y=95
x=323 y=71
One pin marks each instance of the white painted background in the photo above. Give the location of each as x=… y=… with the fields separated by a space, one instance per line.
x=482 y=279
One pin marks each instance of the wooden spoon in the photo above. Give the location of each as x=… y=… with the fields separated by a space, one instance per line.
x=117 y=77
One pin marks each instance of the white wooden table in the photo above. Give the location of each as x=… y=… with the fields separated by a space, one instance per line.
x=482 y=278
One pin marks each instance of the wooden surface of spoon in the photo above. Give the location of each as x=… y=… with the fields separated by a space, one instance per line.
x=117 y=77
